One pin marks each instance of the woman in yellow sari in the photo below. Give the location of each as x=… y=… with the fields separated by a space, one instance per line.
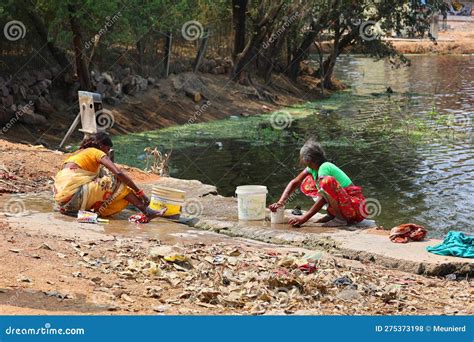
x=83 y=184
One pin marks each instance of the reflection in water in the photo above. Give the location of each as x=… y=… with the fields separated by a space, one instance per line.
x=428 y=183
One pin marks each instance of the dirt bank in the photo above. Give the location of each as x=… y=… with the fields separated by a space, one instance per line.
x=167 y=104
x=458 y=39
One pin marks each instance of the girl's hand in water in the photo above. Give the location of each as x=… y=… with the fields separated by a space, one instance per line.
x=296 y=221
x=273 y=207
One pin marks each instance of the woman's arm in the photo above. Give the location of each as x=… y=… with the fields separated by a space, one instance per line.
x=290 y=188
x=121 y=176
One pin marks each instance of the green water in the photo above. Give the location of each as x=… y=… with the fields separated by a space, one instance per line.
x=411 y=151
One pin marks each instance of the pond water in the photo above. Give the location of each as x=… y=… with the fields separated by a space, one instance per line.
x=412 y=150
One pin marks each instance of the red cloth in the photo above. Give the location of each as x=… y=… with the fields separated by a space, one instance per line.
x=407 y=231
x=350 y=201
x=138 y=218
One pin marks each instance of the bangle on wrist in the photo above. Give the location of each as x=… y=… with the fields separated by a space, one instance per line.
x=140 y=192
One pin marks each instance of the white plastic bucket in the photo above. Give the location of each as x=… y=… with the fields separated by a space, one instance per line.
x=251 y=202
x=278 y=216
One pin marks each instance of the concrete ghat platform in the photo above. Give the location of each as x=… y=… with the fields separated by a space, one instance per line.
x=364 y=242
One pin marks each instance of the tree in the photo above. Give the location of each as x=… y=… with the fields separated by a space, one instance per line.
x=265 y=16
x=239 y=12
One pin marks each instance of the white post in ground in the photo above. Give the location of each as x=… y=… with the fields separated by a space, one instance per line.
x=434 y=26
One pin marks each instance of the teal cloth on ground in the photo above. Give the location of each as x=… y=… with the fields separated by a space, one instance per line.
x=455 y=244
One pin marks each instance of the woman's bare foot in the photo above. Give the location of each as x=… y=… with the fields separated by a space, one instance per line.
x=325 y=218
x=335 y=222
x=151 y=214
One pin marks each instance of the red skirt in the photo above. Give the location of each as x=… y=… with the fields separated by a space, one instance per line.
x=350 y=202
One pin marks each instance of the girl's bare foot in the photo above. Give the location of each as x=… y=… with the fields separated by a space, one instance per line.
x=325 y=218
x=151 y=214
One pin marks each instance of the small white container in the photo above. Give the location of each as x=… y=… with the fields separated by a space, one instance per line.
x=278 y=216
x=251 y=202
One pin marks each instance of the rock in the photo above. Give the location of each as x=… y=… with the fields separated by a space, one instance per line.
x=33 y=119
x=7 y=101
x=5 y=91
x=160 y=308
x=101 y=88
x=156 y=253
x=209 y=296
x=451 y=276
x=58 y=295
x=348 y=294
x=43 y=106
x=24 y=279
x=343 y=281
x=44 y=245
x=108 y=77
x=153 y=292
x=96 y=280
x=127 y=298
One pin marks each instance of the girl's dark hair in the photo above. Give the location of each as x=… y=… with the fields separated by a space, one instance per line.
x=313 y=152
x=97 y=140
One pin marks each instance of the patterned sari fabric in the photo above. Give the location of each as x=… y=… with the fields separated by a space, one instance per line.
x=349 y=201
x=78 y=189
x=406 y=232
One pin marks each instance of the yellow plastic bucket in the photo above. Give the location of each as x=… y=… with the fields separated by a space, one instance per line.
x=171 y=199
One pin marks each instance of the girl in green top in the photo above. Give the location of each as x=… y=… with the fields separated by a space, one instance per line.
x=326 y=184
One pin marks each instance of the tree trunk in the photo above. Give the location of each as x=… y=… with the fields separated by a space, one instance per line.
x=42 y=31
x=168 y=42
x=239 y=9
x=328 y=66
x=201 y=51
x=271 y=53
x=301 y=53
x=193 y=94
x=81 y=60
x=141 y=51
x=260 y=31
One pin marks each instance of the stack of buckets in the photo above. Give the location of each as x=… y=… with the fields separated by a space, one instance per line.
x=171 y=199
x=251 y=202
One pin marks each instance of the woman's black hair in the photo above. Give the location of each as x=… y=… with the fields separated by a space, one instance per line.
x=313 y=152
x=97 y=140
